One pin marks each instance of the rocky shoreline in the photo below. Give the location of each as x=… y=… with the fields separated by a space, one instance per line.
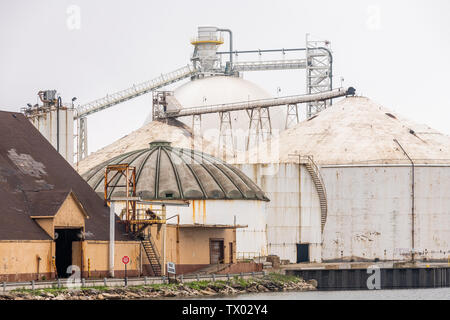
x=269 y=283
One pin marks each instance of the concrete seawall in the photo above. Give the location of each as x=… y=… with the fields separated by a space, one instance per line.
x=383 y=278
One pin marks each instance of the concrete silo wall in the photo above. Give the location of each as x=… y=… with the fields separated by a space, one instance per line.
x=47 y=125
x=293 y=213
x=370 y=212
x=432 y=202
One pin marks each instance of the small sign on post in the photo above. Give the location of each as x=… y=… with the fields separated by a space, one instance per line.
x=125 y=261
x=171 y=269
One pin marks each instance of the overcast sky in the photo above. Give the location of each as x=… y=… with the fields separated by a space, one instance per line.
x=394 y=52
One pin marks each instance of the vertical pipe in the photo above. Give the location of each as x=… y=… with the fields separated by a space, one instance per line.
x=38 y=262
x=58 y=105
x=81 y=255
x=178 y=228
x=140 y=259
x=111 y=238
x=299 y=200
x=231 y=46
x=164 y=240
x=412 y=202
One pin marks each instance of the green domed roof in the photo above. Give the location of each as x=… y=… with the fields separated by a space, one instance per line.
x=164 y=172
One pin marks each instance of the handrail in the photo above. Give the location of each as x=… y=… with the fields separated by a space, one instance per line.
x=150 y=239
x=135 y=90
x=111 y=282
x=309 y=160
x=270 y=65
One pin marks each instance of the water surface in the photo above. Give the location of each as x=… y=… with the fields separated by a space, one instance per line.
x=400 y=294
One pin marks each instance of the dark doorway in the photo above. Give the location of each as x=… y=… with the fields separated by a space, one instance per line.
x=302 y=252
x=216 y=251
x=63 y=243
x=231 y=252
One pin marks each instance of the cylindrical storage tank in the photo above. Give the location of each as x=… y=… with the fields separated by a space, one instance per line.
x=206 y=47
x=385 y=182
x=47 y=124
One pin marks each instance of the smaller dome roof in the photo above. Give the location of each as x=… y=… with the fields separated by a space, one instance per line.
x=165 y=172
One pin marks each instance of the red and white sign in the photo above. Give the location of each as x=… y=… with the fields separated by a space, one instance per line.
x=125 y=260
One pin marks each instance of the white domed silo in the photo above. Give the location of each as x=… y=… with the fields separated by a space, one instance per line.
x=215 y=90
x=219 y=195
x=357 y=183
x=214 y=86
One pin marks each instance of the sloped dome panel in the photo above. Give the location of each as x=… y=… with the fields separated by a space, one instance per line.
x=163 y=172
x=205 y=179
x=168 y=184
x=147 y=176
x=355 y=130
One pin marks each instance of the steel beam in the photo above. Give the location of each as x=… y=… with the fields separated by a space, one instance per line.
x=292 y=117
x=226 y=140
x=254 y=104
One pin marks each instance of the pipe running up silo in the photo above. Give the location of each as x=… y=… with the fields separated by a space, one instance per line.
x=412 y=201
x=112 y=217
x=58 y=107
x=231 y=46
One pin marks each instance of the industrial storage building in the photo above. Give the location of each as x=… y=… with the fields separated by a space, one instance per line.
x=222 y=202
x=341 y=189
x=52 y=222
x=50 y=218
x=357 y=182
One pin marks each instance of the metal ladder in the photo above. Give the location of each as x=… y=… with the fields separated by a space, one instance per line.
x=314 y=172
x=152 y=254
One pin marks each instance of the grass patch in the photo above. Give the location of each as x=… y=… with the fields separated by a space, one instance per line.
x=198 y=285
x=281 y=278
x=276 y=278
x=55 y=290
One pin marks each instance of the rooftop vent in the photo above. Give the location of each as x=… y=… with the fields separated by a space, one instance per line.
x=391 y=115
x=159 y=143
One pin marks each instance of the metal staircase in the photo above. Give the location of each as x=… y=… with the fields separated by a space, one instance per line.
x=152 y=254
x=314 y=172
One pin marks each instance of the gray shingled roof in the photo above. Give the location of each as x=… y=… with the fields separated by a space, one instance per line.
x=34 y=180
x=164 y=172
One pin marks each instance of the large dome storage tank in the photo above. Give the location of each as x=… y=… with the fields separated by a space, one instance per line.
x=357 y=182
x=219 y=194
